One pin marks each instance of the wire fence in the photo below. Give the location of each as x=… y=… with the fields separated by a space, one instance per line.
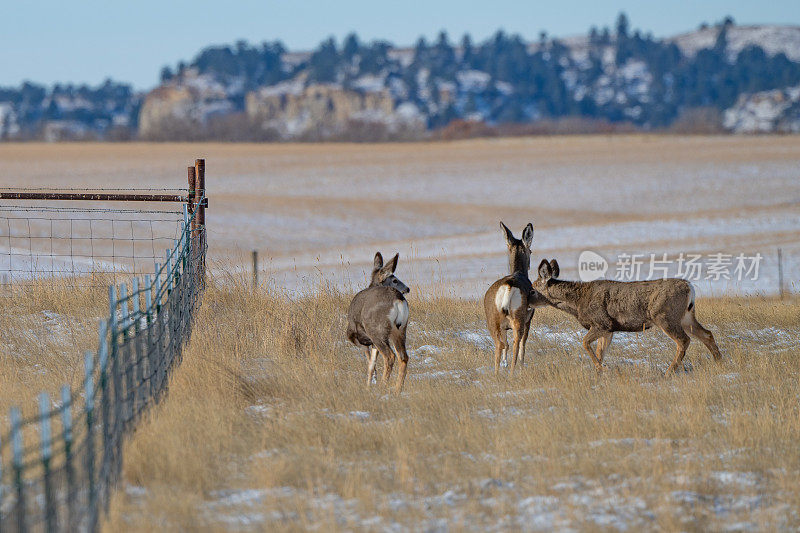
x=58 y=468
x=43 y=242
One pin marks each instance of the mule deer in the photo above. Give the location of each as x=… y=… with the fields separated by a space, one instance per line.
x=377 y=320
x=605 y=306
x=509 y=301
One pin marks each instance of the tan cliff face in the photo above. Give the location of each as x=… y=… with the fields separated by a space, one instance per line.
x=292 y=109
x=161 y=104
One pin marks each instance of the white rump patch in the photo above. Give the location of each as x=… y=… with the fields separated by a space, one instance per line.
x=398 y=314
x=508 y=299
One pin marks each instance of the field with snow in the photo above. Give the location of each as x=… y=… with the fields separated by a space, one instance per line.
x=268 y=424
x=321 y=211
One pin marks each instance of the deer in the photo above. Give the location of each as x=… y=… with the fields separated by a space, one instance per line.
x=605 y=307
x=377 y=319
x=509 y=301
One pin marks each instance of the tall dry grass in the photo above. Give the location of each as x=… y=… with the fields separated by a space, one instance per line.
x=268 y=426
x=45 y=328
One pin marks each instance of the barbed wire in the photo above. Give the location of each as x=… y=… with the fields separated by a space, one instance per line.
x=86 y=189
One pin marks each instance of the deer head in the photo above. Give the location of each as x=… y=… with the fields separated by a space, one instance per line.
x=384 y=274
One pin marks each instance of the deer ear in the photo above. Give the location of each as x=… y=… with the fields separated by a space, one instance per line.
x=527 y=235
x=509 y=236
x=392 y=264
x=378 y=261
x=545 y=270
x=554 y=267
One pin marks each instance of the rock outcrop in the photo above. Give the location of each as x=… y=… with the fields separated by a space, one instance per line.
x=765 y=112
x=294 y=109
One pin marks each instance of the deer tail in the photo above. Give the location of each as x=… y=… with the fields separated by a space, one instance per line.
x=507 y=299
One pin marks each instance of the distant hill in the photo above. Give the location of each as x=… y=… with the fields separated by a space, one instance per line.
x=718 y=78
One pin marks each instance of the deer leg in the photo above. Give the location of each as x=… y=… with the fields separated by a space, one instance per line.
x=388 y=359
x=517 y=326
x=399 y=341
x=500 y=347
x=692 y=327
x=372 y=358
x=682 y=340
x=526 y=328
x=592 y=335
x=602 y=344
x=504 y=336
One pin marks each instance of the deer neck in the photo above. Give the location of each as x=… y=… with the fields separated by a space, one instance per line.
x=565 y=295
x=519 y=263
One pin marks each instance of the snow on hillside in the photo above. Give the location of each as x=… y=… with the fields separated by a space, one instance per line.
x=773 y=39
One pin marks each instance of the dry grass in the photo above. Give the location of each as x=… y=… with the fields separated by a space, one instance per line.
x=268 y=426
x=45 y=328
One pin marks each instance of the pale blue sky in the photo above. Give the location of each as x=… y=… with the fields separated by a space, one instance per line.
x=86 y=41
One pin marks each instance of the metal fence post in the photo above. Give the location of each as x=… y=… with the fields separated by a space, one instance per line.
x=106 y=472
x=124 y=366
x=46 y=444
x=780 y=273
x=69 y=467
x=119 y=399
x=88 y=367
x=18 y=462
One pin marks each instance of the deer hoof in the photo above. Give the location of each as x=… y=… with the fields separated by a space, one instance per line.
x=504 y=363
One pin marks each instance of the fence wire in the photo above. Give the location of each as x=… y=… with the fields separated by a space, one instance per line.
x=45 y=242
x=61 y=465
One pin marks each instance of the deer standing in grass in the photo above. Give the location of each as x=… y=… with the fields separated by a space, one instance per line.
x=509 y=301
x=377 y=320
x=605 y=306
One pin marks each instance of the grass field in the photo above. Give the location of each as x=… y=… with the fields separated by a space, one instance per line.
x=268 y=424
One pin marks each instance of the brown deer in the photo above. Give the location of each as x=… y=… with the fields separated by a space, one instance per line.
x=377 y=320
x=605 y=306
x=509 y=302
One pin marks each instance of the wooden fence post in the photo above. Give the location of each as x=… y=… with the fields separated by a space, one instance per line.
x=192 y=198
x=200 y=194
x=780 y=273
x=255 y=269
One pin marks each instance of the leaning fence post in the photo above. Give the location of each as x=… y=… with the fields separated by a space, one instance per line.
x=88 y=367
x=69 y=468
x=123 y=367
x=18 y=460
x=138 y=373
x=119 y=398
x=152 y=320
x=109 y=428
x=46 y=443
